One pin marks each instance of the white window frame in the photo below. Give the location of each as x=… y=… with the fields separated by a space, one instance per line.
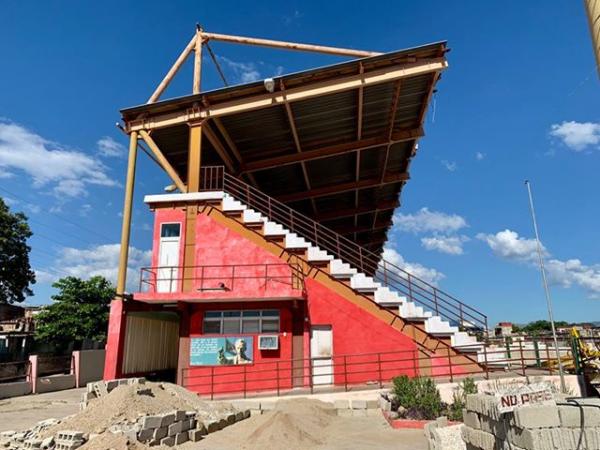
x=220 y=319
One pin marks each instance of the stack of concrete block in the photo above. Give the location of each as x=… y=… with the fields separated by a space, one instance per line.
x=357 y=408
x=170 y=429
x=69 y=440
x=100 y=388
x=28 y=439
x=535 y=427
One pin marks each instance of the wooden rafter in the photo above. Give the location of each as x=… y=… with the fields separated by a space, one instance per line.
x=341 y=84
x=332 y=150
x=343 y=187
x=218 y=146
x=360 y=229
x=390 y=130
x=163 y=161
x=231 y=145
x=196 y=84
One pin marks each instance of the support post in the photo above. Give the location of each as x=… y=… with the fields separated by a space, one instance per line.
x=127 y=207
x=193 y=185
x=197 y=63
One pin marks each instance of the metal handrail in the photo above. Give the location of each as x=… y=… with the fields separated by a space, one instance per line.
x=390 y=275
x=205 y=274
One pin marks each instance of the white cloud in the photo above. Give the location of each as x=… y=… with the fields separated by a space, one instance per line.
x=68 y=171
x=102 y=260
x=452 y=245
x=577 y=136
x=43 y=276
x=287 y=20
x=479 y=156
x=429 y=221
x=507 y=244
x=451 y=166
x=245 y=72
x=427 y=274
x=107 y=146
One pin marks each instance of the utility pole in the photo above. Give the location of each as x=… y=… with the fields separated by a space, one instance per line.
x=545 y=281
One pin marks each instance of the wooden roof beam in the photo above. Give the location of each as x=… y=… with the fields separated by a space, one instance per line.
x=163 y=161
x=363 y=228
x=391 y=125
x=343 y=187
x=341 y=84
x=349 y=212
x=333 y=150
x=288 y=45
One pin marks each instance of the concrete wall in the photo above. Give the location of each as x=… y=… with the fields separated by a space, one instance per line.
x=15 y=389
x=90 y=366
x=54 y=383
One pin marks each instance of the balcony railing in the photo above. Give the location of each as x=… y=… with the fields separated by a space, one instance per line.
x=415 y=289
x=225 y=278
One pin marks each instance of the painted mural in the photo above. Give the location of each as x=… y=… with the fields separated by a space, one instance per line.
x=221 y=351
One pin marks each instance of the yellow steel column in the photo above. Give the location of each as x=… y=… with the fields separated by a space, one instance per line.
x=193 y=185
x=127 y=207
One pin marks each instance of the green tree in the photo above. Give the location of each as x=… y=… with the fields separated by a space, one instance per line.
x=16 y=274
x=542 y=326
x=79 y=311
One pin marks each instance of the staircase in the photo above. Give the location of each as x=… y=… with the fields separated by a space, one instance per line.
x=423 y=306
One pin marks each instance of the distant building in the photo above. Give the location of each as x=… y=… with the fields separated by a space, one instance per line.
x=16 y=331
x=503 y=329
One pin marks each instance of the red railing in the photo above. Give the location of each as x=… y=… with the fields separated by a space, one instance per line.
x=220 y=277
x=390 y=275
x=364 y=370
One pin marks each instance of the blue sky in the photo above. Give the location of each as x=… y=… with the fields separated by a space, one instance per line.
x=518 y=101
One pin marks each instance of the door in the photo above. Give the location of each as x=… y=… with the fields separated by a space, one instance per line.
x=168 y=258
x=298 y=361
x=321 y=351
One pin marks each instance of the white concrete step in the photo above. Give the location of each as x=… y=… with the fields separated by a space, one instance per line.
x=339 y=269
x=466 y=343
x=273 y=229
x=251 y=216
x=230 y=204
x=292 y=240
x=315 y=254
x=436 y=326
x=363 y=283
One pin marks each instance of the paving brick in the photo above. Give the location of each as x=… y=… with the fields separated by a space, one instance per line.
x=542 y=416
x=359 y=404
x=372 y=404
x=341 y=404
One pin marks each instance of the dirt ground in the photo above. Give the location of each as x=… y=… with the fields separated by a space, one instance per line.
x=295 y=424
x=20 y=413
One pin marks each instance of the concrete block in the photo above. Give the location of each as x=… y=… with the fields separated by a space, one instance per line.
x=145 y=435
x=359 y=404
x=188 y=424
x=47 y=443
x=359 y=413
x=255 y=412
x=471 y=419
x=239 y=416
x=496 y=427
x=179 y=416
x=342 y=404
x=167 y=419
x=538 y=416
x=576 y=417
x=160 y=433
x=175 y=428
x=150 y=422
x=201 y=428
x=110 y=385
x=195 y=435
x=212 y=426
x=169 y=441
x=181 y=438
x=372 y=404
x=230 y=419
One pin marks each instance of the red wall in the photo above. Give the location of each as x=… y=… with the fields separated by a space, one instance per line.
x=357 y=332
x=268 y=364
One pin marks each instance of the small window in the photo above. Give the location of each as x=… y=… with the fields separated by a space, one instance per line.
x=212 y=327
x=170 y=230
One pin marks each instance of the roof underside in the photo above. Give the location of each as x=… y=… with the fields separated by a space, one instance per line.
x=341 y=158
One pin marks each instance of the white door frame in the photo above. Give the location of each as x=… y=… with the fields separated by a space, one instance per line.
x=321 y=354
x=167 y=273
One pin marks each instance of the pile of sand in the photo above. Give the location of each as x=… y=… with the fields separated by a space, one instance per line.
x=125 y=404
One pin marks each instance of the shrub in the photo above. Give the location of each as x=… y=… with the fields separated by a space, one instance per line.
x=459 y=399
x=418 y=397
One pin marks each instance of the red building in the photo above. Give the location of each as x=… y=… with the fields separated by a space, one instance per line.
x=266 y=269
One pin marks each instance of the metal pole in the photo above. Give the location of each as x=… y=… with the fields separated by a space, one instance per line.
x=547 y=291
